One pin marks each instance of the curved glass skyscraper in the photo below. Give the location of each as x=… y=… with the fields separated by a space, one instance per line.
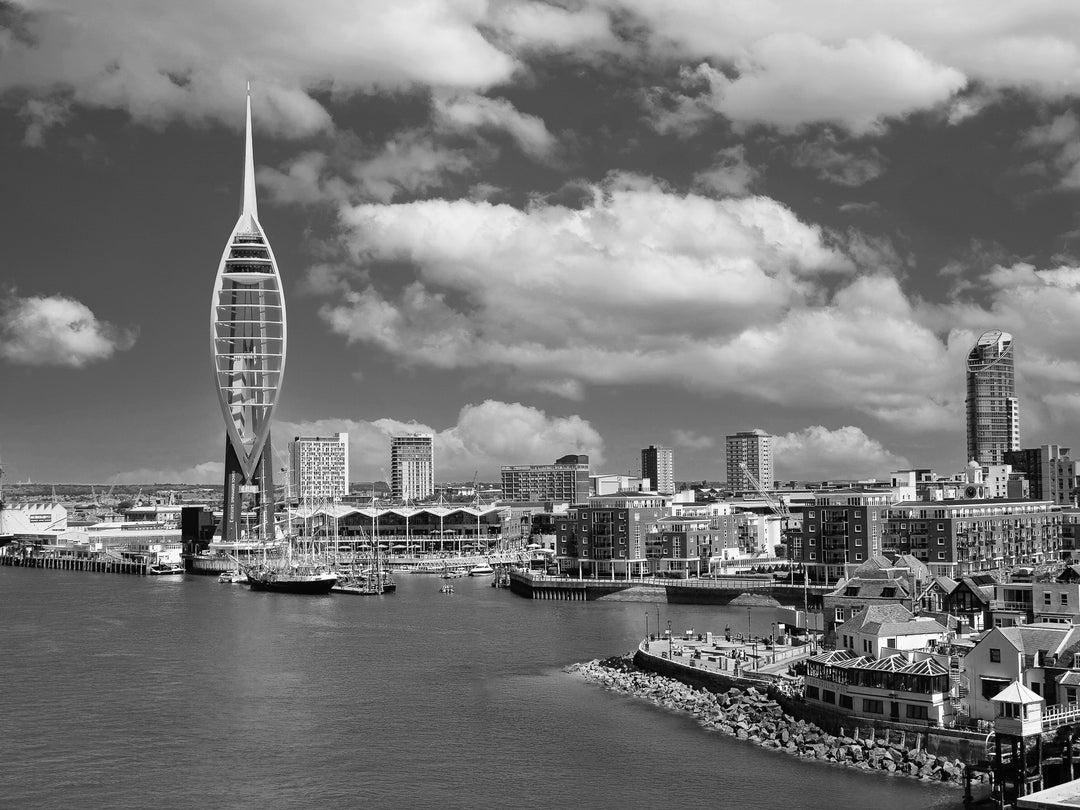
x=247 y=345
x=993 y=411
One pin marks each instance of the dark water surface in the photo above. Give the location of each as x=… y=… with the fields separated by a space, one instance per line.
x=132 y=692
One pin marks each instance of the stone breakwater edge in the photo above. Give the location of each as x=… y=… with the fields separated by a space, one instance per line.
x=752 y=716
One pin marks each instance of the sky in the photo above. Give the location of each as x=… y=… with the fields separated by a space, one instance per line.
x=540 y=228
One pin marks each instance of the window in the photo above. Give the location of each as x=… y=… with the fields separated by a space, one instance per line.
x=811 y=513
x=941 y=555
x=941 y=527
x=873 y=706
x=811 y=692
x=813 y=556
x=845 y=701
x=858 y=527
x=1064 y=599
x=917 y=712
x=941 y=541
x=991 y=686
x=858 y=556
x=838 y=614
x=1046 y=597
x=995 y=655
x=828 y=695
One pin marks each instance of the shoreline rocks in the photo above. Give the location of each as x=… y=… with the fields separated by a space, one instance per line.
x=749 y=714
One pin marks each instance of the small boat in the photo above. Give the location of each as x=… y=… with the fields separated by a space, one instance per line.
x=481 y=570
x=300 y=579
x=232 y=576
x=165 y=569
x=447 y=588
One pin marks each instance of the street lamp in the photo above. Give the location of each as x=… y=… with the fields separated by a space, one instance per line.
x=646 y=625
x=670 y=653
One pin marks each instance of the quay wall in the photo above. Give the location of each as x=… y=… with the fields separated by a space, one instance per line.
x=99 y=566
x=696 y=592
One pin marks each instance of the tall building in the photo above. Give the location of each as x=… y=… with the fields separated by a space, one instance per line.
x=754 y=449
x=993 y=411
x=657 y=464
x=567 y=480
x=247 y=347
x=319 y=467
x=412 y=466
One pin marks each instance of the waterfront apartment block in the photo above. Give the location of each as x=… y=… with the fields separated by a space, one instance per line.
x=993 y=410
x=1050 y=472
x=607 y=536
x=565 y=481
x=412 y=466
x=658 y=465
x=961 y=537
x=319 y=467
x=754 y=449
x=842 y=528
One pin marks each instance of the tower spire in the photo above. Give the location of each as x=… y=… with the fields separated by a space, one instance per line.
x=250 y=205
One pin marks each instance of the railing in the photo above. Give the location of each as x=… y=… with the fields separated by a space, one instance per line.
x=1063 y=715
x=1002 y=604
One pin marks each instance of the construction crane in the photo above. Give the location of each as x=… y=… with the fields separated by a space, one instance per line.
x=778 y=507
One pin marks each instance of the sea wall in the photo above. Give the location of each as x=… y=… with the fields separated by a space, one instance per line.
x=749 y=714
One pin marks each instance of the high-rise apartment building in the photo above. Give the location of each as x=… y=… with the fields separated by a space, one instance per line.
x=657 y=464
x=412 y=466
x=993 y=411
x=319 y=467
x=247 y=348
x=754 y=449
x=567 y=480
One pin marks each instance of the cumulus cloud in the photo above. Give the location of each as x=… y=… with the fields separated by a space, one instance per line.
x=645 y=285
x=57 y=331
x=817 y=453
x=208 y=472
x=486 y=436
x=161 y=62
x=786 y=64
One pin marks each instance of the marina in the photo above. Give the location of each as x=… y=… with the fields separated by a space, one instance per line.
x=501 y=702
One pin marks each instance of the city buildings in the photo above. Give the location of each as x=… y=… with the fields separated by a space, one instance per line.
x=565 y=481
x=247 y=348
x=754 y=449
x=607 y=535
x=959 y=537
x=843 y=527
x=319 y=467
x=993 y=411
x=1050 y=472
x=412 y=466
x=657 y=464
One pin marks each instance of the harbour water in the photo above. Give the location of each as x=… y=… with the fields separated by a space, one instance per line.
x=178 y=692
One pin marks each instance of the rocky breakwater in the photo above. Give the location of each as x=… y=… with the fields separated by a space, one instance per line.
x=752 y=716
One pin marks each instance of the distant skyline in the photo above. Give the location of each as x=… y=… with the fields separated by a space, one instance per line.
x=534 y=228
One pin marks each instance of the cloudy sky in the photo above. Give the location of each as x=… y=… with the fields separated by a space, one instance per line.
x=535 y=228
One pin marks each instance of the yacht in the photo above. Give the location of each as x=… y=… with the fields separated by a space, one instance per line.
x=481 y=570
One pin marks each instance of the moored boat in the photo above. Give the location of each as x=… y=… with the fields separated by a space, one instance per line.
x=298 y=579
x=232 y=576
x=481 y=570
x=165 y=569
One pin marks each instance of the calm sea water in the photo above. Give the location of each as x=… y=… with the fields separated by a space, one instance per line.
x=130 y=692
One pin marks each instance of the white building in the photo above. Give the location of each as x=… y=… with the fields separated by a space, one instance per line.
x=319 y=467
x=412 y=466
x=754 y=449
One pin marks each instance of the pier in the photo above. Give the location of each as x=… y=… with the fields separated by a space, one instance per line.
x=99 y=565
x=535 y=585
